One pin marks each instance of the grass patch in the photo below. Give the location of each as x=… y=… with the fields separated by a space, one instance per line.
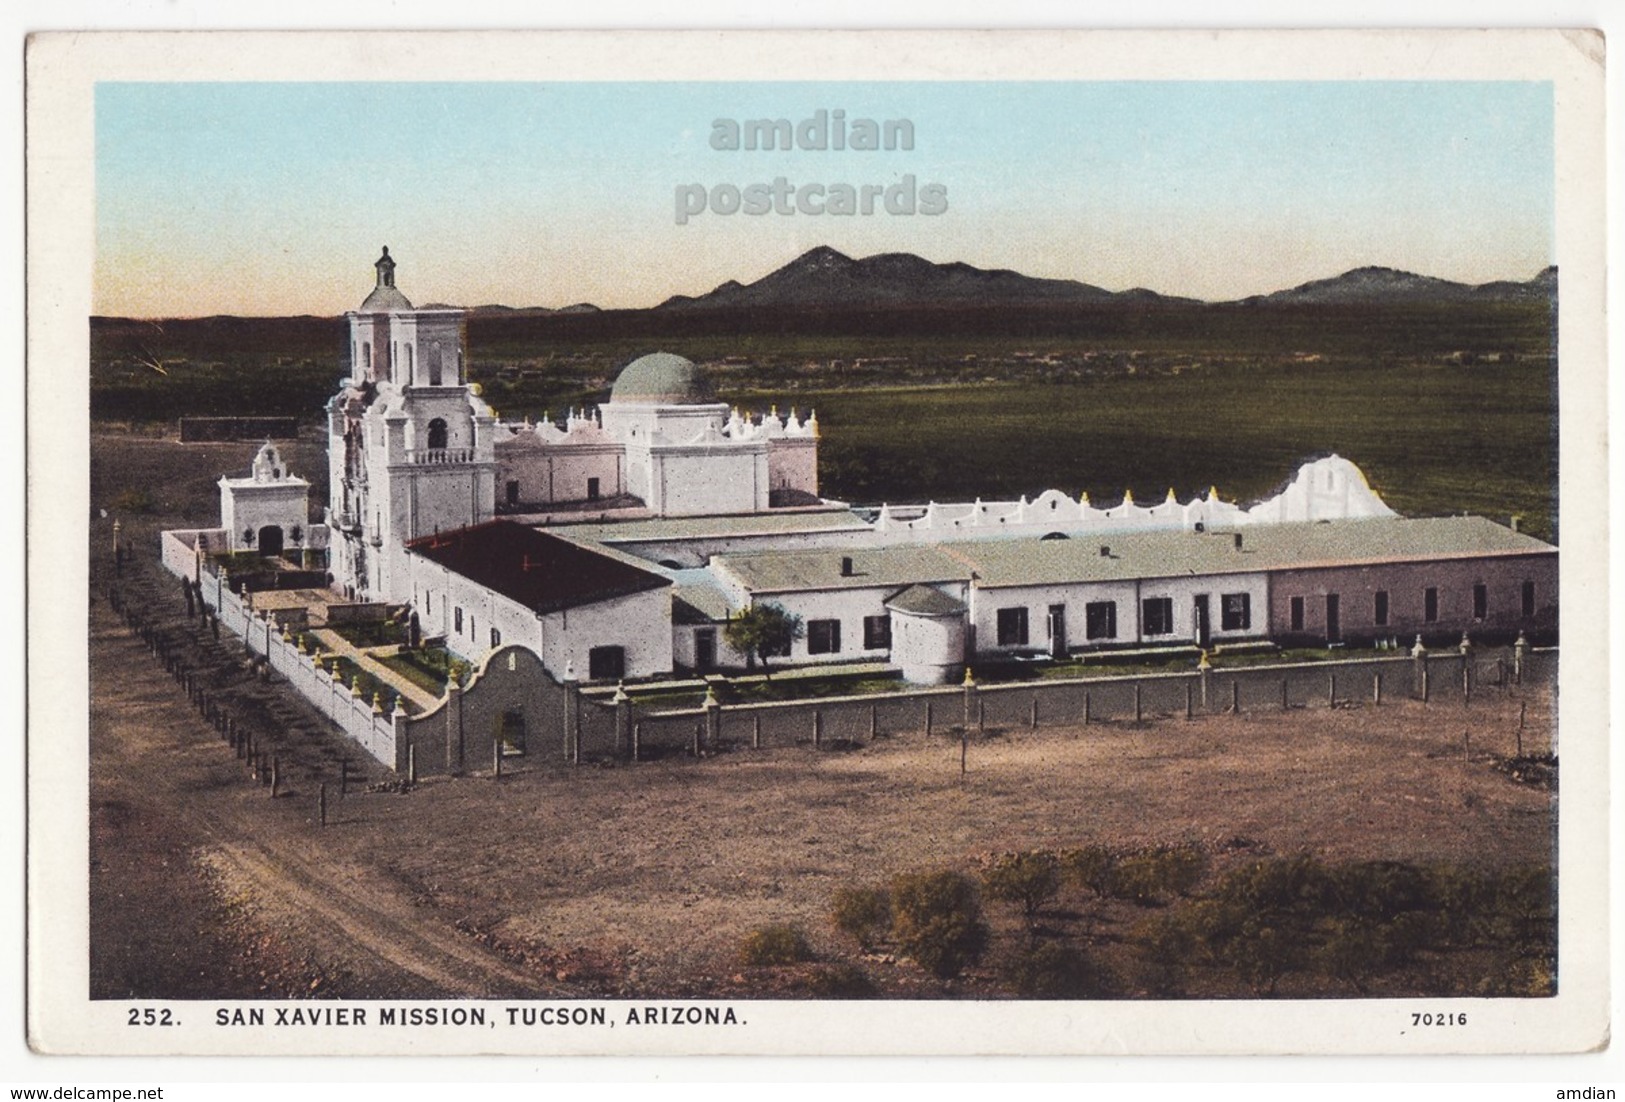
x=369 y=633
x=770 y=691
x=428 y=668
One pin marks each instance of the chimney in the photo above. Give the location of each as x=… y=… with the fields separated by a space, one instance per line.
x=1105 y=551
x=846 y=566
x=1238 y=541
x=1516 y=520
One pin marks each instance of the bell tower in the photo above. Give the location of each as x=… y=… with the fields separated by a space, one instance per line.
x=410 y=445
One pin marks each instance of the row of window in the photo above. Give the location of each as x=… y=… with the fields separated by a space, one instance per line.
x=1430 y=606
x=824 y=636
x=594 y=489
x=1100 y=619
x=434 y=361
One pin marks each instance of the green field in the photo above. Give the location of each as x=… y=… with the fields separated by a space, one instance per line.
x=1432 y=439
x=1446 y=409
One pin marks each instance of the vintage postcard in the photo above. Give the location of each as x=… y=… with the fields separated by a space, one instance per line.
x=787 y=543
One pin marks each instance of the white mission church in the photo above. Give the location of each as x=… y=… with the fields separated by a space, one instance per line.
x=619 y=543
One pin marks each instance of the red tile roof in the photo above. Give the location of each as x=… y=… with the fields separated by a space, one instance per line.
x=540 y=571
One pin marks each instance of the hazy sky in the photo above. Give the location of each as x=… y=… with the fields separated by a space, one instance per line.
x=275 y=198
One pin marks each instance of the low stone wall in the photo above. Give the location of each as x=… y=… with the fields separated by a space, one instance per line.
x=376 y=727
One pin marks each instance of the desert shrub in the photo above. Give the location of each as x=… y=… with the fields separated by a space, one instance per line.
x=1182 y=868
x=1524 y=905
x=1278 y=886
x=1031 y=879
x=1261 y=954
x=775 y=944
x=1056 y=971
x=864 y=913
x=1259 y=921
x=1091 y=868
x=1351 y=951
x=937 y=921
x=1167 y=946
x=1142 y=878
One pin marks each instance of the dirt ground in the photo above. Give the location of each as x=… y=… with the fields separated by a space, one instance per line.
x=642 y=880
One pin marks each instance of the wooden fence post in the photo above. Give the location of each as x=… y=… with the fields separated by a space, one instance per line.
x=1235 y=696
x=1086 y=707
x=1331 y=690
x=928 y=720
x=637 y=738
x=1376 y=687
x=276 y=775
x=818 y=728
x=874 y=721
x=1189 y=713
x=1034 y=722
x=411 y=767
x=344 y=771
x=1284 y=704
x=496 y=757
x=321 y=802
x=756 y=731
x=1138 y=710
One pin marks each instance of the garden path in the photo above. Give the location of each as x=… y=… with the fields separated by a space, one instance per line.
x=335 y=643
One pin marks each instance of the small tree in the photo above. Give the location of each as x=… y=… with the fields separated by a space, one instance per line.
x=937 y=921
x=864 y=913
x=761 y=631
x=1031 y=879
x=1055 y=971
x=1091 y=867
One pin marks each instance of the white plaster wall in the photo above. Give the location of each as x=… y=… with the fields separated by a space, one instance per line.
x=253 y=506
x=1183 y=592
x=985 y=605
x=683 y=648
x=930 y=650
x=849 y=606
x=640 y=624
x=559 y=473
x=697 y=481
x=793 y=464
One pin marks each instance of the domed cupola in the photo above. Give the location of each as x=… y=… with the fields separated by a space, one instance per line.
x=385 y=299
x=662 y=379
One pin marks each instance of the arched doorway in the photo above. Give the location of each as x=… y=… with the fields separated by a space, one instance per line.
x=271 y=540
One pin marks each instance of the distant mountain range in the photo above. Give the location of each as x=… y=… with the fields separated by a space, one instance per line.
x=532 y=311
x=825 y=278
x=1388 y=285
